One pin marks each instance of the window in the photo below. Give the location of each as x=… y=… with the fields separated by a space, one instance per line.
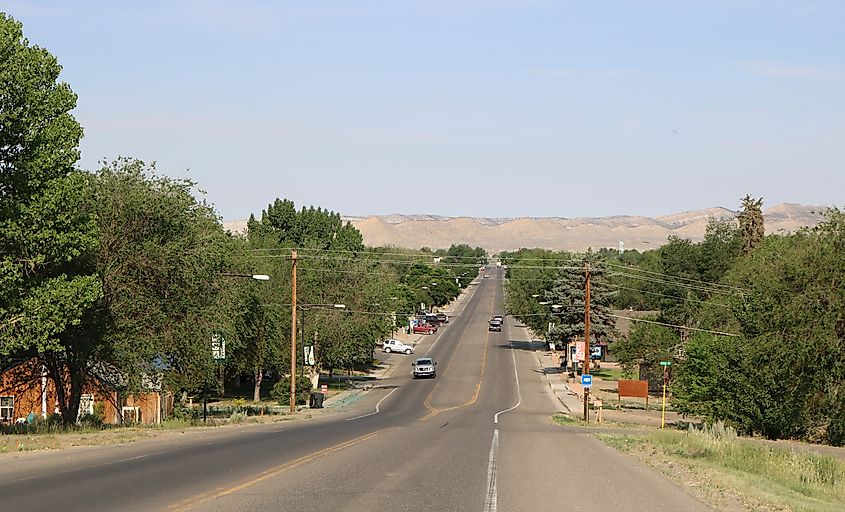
x=7 y=407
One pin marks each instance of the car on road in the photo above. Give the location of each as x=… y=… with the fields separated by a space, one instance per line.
x=424 y=367
x=486 y=276
x=500 y=318
x=424 y=329
x=392 y=345
x=494 y=324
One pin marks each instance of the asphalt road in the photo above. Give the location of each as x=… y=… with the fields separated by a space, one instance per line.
x=476 y=438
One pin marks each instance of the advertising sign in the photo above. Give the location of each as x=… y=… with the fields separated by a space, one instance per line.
x=218 y=346
x=308 y=354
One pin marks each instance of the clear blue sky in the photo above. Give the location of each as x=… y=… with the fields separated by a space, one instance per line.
x=497 y=108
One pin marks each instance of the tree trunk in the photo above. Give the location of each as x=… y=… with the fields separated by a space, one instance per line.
x=259 y=376
x=314 y=375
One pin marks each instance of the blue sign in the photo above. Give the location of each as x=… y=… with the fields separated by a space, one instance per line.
x=587 y=381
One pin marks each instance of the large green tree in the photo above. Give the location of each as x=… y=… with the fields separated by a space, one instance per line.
x=160 y=259
x=47 y=286
x=788 y=362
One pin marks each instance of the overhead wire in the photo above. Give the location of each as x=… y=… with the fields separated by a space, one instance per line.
x=683 y=327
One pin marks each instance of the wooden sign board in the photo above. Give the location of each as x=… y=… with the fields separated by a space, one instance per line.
x=634 y=388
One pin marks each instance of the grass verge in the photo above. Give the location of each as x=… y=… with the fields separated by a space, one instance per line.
x=571 y=421
x=58 y=438
x=730 y=473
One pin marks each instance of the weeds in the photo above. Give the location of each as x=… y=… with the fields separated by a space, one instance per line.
x=782 y=476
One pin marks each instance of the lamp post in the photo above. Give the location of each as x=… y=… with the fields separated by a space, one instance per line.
x=257 y=277
x=219 y=353
x=303 y=308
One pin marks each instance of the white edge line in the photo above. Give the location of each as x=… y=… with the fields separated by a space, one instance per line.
x=516 y=377
x=377 y=407
x=492 y=497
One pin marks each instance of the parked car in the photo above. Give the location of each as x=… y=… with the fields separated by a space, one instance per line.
x=443 y=318
x=392 y=345
x=424 y=329
x=424 y=367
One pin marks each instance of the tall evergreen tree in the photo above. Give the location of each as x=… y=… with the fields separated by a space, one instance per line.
x=568 y=293
x=751 y=223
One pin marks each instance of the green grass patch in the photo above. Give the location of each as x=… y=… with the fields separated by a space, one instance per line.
x=611 y=373
x=773 y=476
x=566 y=420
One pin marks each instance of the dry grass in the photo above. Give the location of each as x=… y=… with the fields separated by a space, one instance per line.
x=59 y=440
x=734 y=474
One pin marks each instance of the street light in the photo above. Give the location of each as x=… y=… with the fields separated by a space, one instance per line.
x=303 y=308
x=257 y=277
x=221 y=349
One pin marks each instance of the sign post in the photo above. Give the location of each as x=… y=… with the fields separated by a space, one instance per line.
x=586 y=383
x=665 y=365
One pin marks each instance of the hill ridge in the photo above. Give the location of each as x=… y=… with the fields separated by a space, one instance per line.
x=557 y=233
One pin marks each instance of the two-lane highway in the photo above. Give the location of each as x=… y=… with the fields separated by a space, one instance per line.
x=478 y=437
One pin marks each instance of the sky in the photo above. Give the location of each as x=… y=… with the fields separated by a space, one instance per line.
x=498 y=108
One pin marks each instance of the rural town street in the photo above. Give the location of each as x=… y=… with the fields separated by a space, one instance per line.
x=477 y=437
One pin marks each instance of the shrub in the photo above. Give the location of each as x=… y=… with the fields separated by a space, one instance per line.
x=281 y=391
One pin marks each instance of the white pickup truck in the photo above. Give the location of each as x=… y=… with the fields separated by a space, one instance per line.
x=392 y=345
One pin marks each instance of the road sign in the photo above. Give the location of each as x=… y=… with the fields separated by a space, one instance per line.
x=324 y=389
x=665 y=363
x=587 y=381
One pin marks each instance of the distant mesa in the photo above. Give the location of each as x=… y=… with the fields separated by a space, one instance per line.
x=556 y=233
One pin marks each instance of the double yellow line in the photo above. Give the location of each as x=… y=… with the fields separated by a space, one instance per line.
x=433 y=411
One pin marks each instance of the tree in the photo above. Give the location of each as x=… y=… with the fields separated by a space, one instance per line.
x=751 y=223
x=47 y=287
x=569 y=293
x=646 y=345
x=159 y=260
x=787 y=361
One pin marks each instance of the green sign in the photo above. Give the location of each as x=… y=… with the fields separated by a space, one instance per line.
x=665 y=363
x=218 y=346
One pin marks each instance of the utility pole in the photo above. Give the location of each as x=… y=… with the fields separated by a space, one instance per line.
x=293 y=335
x=587 y=344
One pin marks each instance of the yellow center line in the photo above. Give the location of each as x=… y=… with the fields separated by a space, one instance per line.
x=435 y=411
x=270 y=473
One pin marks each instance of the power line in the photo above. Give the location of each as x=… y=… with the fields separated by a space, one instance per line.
x=670 y=296
x=681 y=285
x=672 y=325
x=717 y=285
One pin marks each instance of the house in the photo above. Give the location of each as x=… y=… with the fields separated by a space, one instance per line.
x=25 y=390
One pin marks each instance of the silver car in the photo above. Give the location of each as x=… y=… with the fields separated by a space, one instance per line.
x=424 y=367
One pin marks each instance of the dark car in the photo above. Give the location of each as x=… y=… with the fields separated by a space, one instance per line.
x=443 y=318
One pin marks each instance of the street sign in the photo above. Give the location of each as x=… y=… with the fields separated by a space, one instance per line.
x=309 y=355
x=324 y=389
x=218 y=346
x=587 y=381
x=665 y=363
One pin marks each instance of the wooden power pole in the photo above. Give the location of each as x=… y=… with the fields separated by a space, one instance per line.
x=293 y=335
x=587 y=344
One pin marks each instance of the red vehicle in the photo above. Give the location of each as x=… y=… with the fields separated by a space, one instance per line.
x=424 y=329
